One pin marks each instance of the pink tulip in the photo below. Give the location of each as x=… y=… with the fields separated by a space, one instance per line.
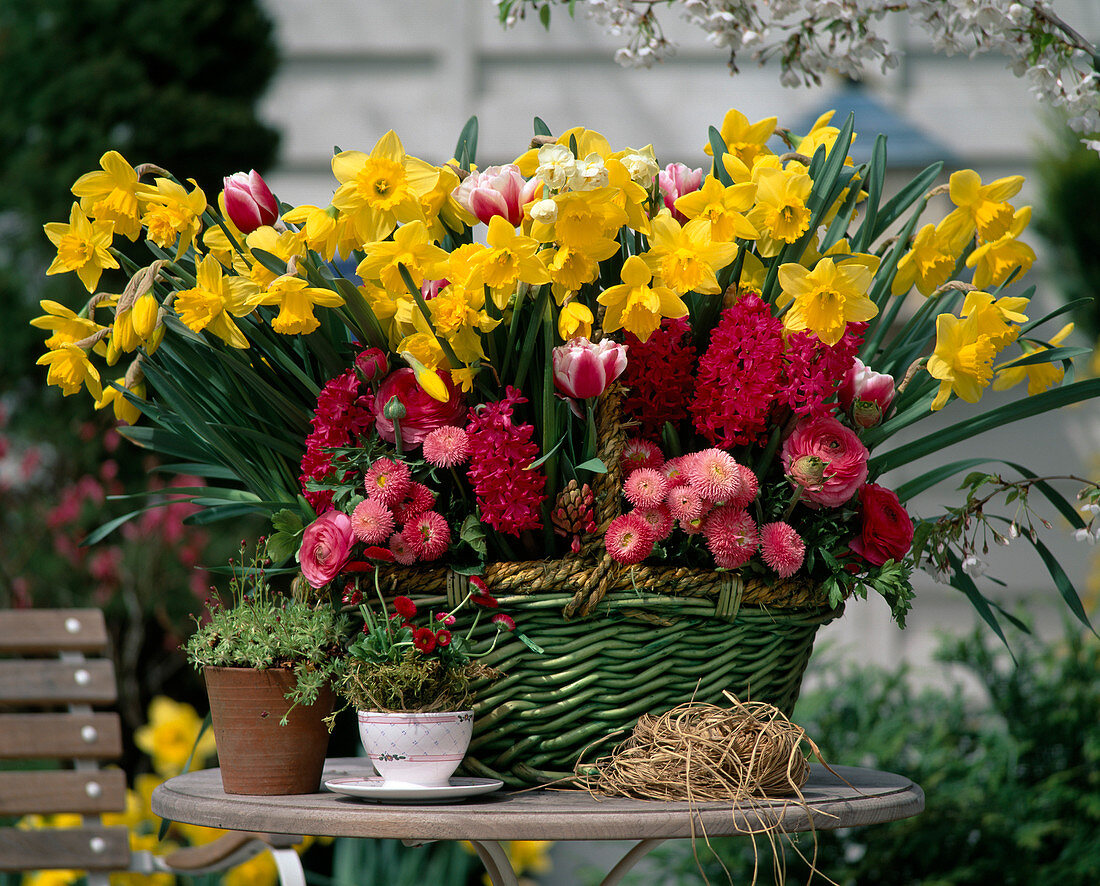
x=676 y=180
x=499 y=190
x=584 y=369
x=249 y=202
x=865 y=395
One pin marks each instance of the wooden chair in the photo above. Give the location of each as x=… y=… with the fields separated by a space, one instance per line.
x=54 y=668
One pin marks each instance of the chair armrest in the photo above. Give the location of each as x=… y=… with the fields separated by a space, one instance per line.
x=227 y=851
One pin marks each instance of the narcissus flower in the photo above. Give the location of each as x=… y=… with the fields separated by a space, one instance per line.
x=780 y=213
x=216 y=299
x=511 y=257
x=296 y=300
x=82 y=246
x=962 y=361
x=111 y=194
x=995 y=260
x=980 y=207
x=70 y=369
x=575 y=320
x=1040 y=376
x=929 y=262
x=722 y=206
x=635 y=305
x=685 y=258
x=412 y=247
x=171 y=212
x=380 y=189
x=744 y=140
x=64 y=324
x=826 y=299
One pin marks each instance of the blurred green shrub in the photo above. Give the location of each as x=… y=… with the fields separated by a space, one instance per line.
x=1012 y=785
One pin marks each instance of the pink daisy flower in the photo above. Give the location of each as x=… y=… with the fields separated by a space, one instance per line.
x=428 y=535
x=674 y=470
x=714 y=473
x=387 y=481
x=639 y=453
x=748 y=489
x=628 y=539
x=418 y=499
x=692 y=527
x=503 y=622
x=402 y=552
x=658 y=518
x=446 y=447
x=731 y=535
x=782 y=548
x=645 y=488
x=685 y=502
x=372 y=522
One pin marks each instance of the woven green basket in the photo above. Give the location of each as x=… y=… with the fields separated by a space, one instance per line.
x=657 y=638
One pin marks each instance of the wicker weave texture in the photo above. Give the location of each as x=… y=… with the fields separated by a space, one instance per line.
x=593 y=678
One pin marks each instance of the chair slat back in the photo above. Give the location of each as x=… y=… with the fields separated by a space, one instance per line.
x=54 y=667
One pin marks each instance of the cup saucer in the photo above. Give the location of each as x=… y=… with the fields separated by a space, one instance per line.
x=377 y=789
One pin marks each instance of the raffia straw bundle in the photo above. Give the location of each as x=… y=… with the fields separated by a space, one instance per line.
x=702 y=752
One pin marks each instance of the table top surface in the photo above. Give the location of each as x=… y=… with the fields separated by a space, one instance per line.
x=850 y=797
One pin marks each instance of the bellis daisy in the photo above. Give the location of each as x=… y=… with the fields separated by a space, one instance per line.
x=387 y=481
x=372 y=522
x=446 y=447
x=428 y=535
x=629 y=539
x=782 y=548
x=645 y=488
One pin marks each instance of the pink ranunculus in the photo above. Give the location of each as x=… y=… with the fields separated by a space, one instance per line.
x=423 y=413
x=249 y=202
x=887 y=530
x=584 y=369
x=844 y=455
x=498 y=190
x=326 y=544
x=371 y=363
x=675 y=180
x=865 y=395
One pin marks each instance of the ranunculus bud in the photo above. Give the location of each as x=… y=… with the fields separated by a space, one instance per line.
x=371 y=364
x=249 y=202
x=394 y=409
x=808 y=471
x=499 y=190
x=584 y=369
x=675 y=180
x=865 y=395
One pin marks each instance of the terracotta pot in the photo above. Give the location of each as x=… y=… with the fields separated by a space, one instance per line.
x=255 y=753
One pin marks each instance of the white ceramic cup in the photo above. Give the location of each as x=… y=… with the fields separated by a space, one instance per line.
x=422 y=750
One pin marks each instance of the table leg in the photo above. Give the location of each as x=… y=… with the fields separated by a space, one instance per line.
x=496 y=862
x=636 y=854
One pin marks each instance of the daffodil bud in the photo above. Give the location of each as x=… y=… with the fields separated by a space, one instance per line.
x=144 y=315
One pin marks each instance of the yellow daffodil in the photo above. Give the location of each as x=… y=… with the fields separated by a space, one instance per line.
x=1040 y=376
x=575 y=320
x=424 y=356
x=821 y=134
x=464 y=264
x=510 y=258
x=637 y=307
x=744 y=140
x=826 y=299
x=570 y=269
x=124 y=410
x=259 y=870
x=296 y=300
x=281 y=244
x=82 y=246
x=111 y=194
x=412 y=247
x=962 y=361
x=995 y=317
x=53 y=878
x=464 y=377
x=630 y=195
x=70 y=369
x=459 y=316
x=215 y=301
x=780 y=214
x=980 y=207
x=531 y=856
x=172 y=212
x=218 y=243
x=317 y=227
x=929 y=262
x=995 y=260
x=685 y=258
x=382 y=188
x=753 y=275
x=170 y=734
x=65 y=325
x=722 y=207
x=441 y=210
x=587 y=221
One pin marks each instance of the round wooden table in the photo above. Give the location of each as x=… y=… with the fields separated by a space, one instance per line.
x=850 y=798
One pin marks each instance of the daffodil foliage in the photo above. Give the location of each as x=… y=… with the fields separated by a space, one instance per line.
x=473 y=277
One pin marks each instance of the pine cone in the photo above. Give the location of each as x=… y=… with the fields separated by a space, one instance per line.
x=574 y=512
